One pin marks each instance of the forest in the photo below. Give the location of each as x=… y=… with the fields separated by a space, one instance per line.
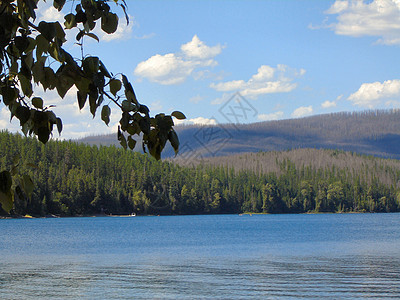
x=73 y=179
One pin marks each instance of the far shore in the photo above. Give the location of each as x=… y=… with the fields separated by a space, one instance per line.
x=144 y=215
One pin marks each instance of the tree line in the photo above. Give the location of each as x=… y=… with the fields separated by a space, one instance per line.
x=76 y=179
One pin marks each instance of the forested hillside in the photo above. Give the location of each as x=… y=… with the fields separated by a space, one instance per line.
x=77 y=179
x=370 y=132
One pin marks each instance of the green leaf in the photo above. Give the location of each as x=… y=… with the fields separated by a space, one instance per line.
x=131 y=143
x=9 y=94
x=56 y=52
x=121 y=139
x=28 y=185
x=43 y=134
x=133 y=129
x=81 y=99
x=49 y=80
x=144 y=125
x=5 y=181
x=58 y=4
x=6 y=199
x=127 y=106
x=70 y=21
x=91 y=65
x=48 y=30
x=80 y=34
x=23 y=113
x=105 y=114
x=60 y=33
x=37 y=102
x=38 y=69
x=21 y=42
x=178 y=115
x=26 y=85
x=129 y=92
x=42 y=45
x=63 y=84
x=93 y=36
x=109 y=23
x=59 y=125
x=14 y=68
x=173 y=139
x=104 y=70
x=115 y=86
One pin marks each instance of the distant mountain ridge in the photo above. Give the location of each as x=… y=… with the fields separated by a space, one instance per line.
x=370 y=132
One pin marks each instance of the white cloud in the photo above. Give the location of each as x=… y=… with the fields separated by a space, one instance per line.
x=229 y=86
x=198 y=50
x=379 y=18
x=5 y=123
x=392 y=104
x=267 y=80
x=174 y=68
x=47 y=12
x=270 y=117
x=196 y=121
x=328 y=104
x=302 y=111
x=338 y=7
x=370 y=94
x=165 y=69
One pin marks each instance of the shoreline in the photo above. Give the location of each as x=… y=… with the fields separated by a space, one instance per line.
x=130 y=215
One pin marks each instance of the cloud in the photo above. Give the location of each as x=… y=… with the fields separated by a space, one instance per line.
x=392 y=104
x=329 y=104
x=267 y=80
x=47 y=12
x=198 y=50
x=338 y=7
x=270 y=117
x=370 y=94
x=5 y=123
x=175 y=68
x=302 y=111
x=196 y=121
x=379 y=18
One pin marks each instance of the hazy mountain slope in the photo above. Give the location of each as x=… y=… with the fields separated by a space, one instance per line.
x=387 y=171
x=372 y=132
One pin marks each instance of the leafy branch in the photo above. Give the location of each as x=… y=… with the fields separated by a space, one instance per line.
x=33 y=54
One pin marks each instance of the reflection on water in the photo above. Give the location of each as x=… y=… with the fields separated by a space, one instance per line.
x=202 y=257
x=296 y=277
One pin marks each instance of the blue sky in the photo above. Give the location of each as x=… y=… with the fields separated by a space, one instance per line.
x=287 y=59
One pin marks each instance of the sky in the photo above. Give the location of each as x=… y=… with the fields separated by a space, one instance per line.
x=243 y=61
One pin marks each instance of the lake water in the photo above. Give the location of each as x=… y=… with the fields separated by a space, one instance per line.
x=341 y=256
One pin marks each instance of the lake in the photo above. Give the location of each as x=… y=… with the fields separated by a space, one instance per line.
x=342 y=256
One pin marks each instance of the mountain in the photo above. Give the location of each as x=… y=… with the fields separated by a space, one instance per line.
x=370 y=132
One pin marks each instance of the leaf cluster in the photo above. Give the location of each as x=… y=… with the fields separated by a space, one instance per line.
x=34 y=54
